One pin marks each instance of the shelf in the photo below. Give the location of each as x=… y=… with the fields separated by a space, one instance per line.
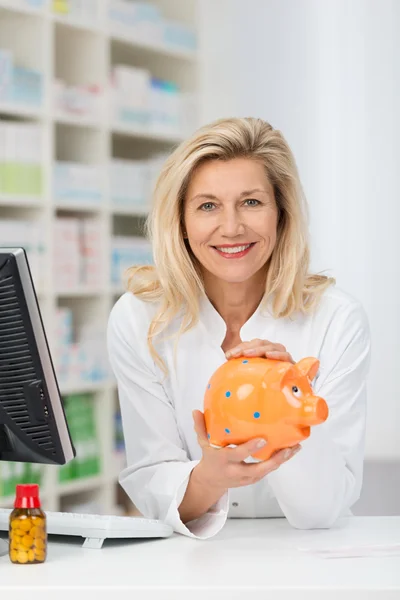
x=24 y=202
x=80 y=485
x=26 y=112
x=69 y=21
x=79 y=292
x=21 y=7
x=76 y=121
x=85 y=387
x=125 y=37
x=85 y=207
x=82 y=52
x=129 y=212
x=125 y=129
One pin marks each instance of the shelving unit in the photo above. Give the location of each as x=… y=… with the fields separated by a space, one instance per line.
x=78 y=52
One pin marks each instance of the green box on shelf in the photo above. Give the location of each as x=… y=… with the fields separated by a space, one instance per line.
x=80 y=413
x=21 y=179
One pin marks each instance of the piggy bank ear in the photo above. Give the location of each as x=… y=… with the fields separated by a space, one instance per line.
x=308 y=367
x=288 y=373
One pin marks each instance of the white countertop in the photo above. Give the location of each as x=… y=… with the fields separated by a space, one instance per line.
x=247 y=559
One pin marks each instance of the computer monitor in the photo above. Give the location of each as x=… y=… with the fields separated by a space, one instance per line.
x=33 y=427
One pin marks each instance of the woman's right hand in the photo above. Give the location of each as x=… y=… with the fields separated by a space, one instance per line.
x=224 y=468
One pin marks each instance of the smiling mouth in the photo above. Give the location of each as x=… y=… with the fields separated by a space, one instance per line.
x=234 y=251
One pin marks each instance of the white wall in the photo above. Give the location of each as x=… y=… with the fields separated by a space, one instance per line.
x=328 y=74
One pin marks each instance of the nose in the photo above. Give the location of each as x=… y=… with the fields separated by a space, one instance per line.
x=231 y=223
x=315 y=411
x=321 y=410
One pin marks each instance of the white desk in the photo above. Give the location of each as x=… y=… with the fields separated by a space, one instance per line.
x=248 y=559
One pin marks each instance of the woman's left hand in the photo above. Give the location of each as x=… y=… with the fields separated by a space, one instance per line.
x=260 y=348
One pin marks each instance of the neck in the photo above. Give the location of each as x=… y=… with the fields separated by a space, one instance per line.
x=235 y=302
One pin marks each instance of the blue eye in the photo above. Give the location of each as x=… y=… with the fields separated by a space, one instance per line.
x=257 y=202
x=205 y=205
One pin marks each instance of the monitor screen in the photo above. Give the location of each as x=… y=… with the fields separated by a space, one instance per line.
x=33 y=427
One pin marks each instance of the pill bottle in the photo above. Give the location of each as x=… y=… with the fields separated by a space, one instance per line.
x=27 y=527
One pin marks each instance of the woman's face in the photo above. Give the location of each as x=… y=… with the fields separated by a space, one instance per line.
x=230 y=216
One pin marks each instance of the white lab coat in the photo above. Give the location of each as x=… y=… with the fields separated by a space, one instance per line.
x=313 y=488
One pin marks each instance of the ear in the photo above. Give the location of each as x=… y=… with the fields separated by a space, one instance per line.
x=308 y=367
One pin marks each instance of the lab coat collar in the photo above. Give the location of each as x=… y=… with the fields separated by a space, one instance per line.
x=216 y=327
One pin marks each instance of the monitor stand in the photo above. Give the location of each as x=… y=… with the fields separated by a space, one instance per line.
x=3 y=547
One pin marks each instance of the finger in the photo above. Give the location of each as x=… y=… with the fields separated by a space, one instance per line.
x=273 y=354
x=243 y=451
x=285 y=356
x=200 y=427
x=237 y=350
x=256 y=471
x=245 y=346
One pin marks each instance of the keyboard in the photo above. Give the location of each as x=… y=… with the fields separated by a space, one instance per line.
x=96 y=528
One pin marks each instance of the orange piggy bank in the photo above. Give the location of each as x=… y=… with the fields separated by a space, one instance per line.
x=249 y=398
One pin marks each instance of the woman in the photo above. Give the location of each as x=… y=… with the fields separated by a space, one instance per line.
x=230 y=244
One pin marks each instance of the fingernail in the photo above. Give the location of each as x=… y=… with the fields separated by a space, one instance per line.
x=296 y=450
x=287 y=454
x=261 y=443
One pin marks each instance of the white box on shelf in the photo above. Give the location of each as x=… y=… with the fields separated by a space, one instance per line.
x=128 y=183
x=91 y=253
x=126 y=252
x=130 y=95
x=66 y=259
x=76 y=184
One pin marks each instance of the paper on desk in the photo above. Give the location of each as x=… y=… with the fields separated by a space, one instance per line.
x=355 y=551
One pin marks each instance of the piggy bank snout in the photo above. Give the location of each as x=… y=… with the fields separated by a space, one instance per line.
x=316 y=411
x=321 y=410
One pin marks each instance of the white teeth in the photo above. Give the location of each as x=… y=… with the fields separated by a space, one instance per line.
x=234 y=250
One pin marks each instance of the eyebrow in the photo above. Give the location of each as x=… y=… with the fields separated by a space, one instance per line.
x=244 y=193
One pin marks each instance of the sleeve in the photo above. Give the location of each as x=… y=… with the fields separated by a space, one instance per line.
x=158 y=467
x=324 y=480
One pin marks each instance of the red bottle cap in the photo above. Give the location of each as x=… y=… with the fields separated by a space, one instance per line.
x=27 y=496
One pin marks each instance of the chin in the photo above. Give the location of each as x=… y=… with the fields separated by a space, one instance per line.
x=233 y=277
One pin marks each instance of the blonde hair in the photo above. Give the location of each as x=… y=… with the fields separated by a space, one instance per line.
x=175 y=281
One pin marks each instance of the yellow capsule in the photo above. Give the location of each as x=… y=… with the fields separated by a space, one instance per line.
x=31 y=555
x=25 y=524
x=39 y=543
x=35 y=531
x=27 y=541
x=22 y=557
x=40 y=555
x=14 y=555
x=20 y=532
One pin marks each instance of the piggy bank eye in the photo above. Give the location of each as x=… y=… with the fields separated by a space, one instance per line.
x=296 y=391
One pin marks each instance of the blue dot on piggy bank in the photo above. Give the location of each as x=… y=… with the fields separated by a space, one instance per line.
x=245 y=361
x=208 y=436
x=227 y=430
x=256 y=415
x=227 y=394
x=208 y=387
